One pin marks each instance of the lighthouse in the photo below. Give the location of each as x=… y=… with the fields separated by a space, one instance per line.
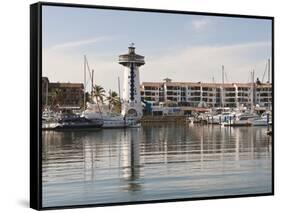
x=131 y=105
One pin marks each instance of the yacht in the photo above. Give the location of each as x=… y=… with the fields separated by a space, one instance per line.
x=50 y=119
x=78 y=122
x=224 y=117
x=49 y=125
x=110 y=119
x=263 y=120
x=243 y=119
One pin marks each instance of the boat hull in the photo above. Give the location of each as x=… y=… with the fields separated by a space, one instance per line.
x=49 y=125
x=78 y=126
x=262 y=122
x=79 y=123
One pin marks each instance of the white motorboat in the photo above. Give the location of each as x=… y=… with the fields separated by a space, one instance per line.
x=242 y=120
x=260 y=122
x=110 y=120
x=114 y=121
x=263 y=120
x=224 y=117
x=49 y=125
x=50 y=119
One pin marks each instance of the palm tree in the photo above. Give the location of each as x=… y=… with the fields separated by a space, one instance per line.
x=117 y=105
x=98 y=93
x=88 y=97
x=112 y=99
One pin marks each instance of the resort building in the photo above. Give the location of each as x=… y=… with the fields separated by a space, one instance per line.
x=263 y=95
x=62 y=94
x=191 y=95
x=45 y=90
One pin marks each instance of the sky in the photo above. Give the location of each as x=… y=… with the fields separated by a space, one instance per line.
x=181 y=47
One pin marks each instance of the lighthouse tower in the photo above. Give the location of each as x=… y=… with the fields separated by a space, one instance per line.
x=131 y=105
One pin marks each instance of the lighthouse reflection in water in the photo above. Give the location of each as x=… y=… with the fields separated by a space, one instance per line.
x=154 y=162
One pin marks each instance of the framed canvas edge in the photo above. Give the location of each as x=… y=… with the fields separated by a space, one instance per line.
x=139 y=9
x=273 y=105
x=35 y=104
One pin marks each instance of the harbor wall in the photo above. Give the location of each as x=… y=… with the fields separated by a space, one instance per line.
x=170 y=118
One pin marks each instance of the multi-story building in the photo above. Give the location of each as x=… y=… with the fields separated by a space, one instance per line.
x=193 y=94
x=228 y=95
x=62 y=94
x=45 y=88
x=210 y=94
x=244 y=94
x=154 y=92
x=263 y=95
x=190 y=94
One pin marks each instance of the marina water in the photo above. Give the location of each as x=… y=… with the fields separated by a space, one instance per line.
x=154 y=162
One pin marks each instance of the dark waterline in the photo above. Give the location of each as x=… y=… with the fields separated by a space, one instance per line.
x=159 y=161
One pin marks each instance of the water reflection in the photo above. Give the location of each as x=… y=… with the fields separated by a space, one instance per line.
x=159 y=161
x=131 y=160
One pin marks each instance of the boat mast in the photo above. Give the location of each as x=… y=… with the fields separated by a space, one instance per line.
x=119 y=89
x=253 y=94
x=268 y=61
x=84 y=82
x=91 y=74
x=268 y=83
x=92 y=87
x=222 y=98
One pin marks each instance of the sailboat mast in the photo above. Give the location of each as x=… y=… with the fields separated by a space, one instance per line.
x=92 y=84
x=253 y=93
x=85 y=82
x=119 y=89
x=268 y=61
x=222 y=98
x=268 y=83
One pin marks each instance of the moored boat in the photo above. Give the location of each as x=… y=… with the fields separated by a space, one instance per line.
x=50 y=119
x=49 y=125
x=110 y=119
x=242 y=120
x=264 y=120
x=78 y=123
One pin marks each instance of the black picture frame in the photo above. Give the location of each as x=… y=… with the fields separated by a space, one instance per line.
x=36 y=102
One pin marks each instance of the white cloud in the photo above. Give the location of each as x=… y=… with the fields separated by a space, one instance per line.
x=80 y=43
x=201 y=63
x=66 y=66
x=199 y=24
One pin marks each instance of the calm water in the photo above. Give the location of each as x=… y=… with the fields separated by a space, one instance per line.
x=159 y=161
